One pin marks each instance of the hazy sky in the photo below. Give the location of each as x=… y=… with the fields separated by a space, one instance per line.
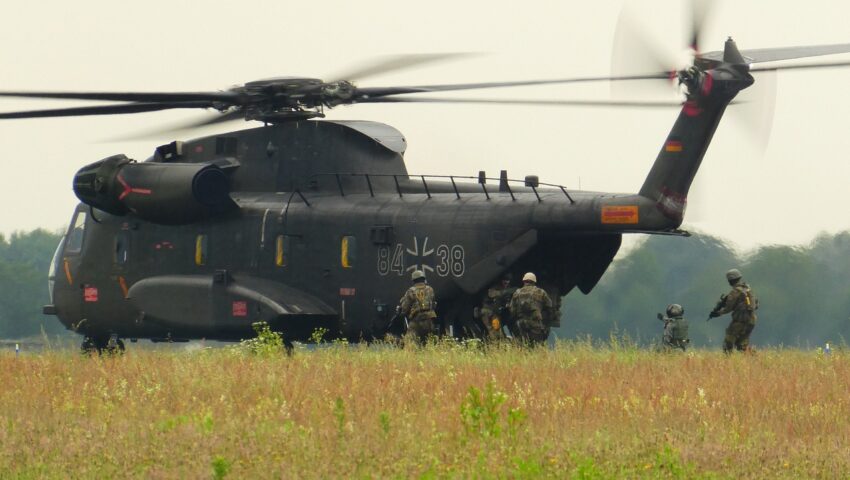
x=790 y=194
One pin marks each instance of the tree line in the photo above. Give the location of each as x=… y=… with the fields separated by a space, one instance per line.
x=804 y=292
x=24 y=260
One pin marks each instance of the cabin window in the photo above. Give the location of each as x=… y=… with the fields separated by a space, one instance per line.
x=77 y=233
x=282 y=250
x=122 y=248
x=348 y=249
x=201 y=250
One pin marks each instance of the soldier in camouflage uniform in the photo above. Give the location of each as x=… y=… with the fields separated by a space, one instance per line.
x=418 y=305
x=742 y=302
x=531 y=310
x=675 y=328
x=494 y=307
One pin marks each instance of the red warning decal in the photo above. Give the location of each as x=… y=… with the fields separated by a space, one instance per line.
x=90 y=294
x=347 y=292
x=240 y=308
x=625 y=214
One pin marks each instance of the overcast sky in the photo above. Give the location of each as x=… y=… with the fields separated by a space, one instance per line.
x=795 y=190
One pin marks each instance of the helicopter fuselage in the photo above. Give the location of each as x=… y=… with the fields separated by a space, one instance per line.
x=308 y=244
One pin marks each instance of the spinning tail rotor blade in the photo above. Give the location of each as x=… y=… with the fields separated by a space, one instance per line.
x=700 y=12
x=755 y=115
x=635 y=52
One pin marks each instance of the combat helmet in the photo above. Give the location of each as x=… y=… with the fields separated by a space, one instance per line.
x=733 y=275
x=529 y=277
x=417 y=275
x=675 y=310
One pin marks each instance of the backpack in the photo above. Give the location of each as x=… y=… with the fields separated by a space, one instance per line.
x=424 y=299
x=679 y=329
x=748 y=298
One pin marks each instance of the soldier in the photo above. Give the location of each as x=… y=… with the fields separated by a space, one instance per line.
x=494 y=307
x=743 y=304
x=675 y=328
x=418 y=306
x=531 y=310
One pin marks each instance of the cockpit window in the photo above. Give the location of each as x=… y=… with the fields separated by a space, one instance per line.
x=75 y=237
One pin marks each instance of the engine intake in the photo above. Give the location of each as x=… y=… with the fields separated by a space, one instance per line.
x=166 y=193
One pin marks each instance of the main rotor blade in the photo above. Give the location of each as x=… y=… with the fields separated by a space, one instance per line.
x=374 y=92
x=804 y=66
x=103 y=110
x=224 y=97
x=182 y=127
x=761 y=55
x=554 y=103
x=394 y=63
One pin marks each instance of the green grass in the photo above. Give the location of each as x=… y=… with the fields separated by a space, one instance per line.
x=575 y=411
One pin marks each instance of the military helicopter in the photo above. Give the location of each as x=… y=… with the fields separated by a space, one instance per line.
x=305 y=223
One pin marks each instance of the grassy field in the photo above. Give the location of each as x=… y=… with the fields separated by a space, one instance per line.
x=454 y=411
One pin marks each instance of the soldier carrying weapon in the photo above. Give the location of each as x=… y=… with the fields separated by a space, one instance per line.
x=675 y=328
x=742 y=302
x=418 y=306
x=494 y=312
x=532 y=310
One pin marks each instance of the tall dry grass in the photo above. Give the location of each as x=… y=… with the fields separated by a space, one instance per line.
x=444 y=411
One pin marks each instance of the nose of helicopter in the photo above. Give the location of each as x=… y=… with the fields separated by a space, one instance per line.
x=50 y=309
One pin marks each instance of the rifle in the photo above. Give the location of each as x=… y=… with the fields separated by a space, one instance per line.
x=717 y=307
x=395 y=318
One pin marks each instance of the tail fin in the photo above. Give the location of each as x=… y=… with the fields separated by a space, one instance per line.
x=677 y=163
x=709 y=94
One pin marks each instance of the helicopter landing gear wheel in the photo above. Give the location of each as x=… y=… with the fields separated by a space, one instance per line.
x=101 y=345
x=114 y=345
x=89 y=346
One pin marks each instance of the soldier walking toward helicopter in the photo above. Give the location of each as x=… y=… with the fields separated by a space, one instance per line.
x=494 y=307
x=531 y=309
x=419 y=306
x=742 y=302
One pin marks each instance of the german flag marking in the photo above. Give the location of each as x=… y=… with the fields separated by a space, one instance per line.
x=673 y=146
